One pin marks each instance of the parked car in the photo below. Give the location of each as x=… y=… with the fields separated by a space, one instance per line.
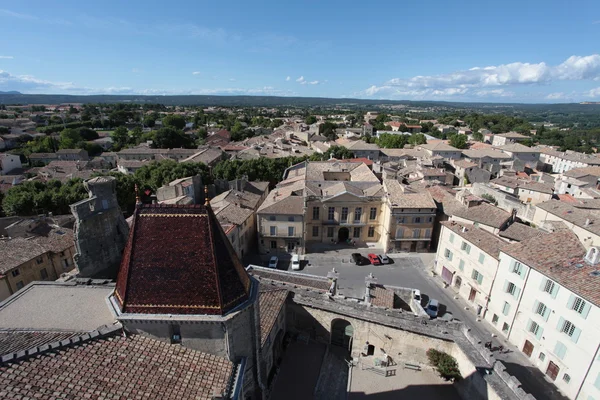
x=374 y=259
x=295 y=262
x=358 y=259
x=273 y=262
x=384 y=259
x=417 y=295
x=432 y=308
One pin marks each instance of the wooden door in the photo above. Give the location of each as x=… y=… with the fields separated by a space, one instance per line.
x=528 y=348
x=552 y=370
x=472 y=294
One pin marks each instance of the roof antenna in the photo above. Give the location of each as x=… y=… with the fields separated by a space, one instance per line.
x=137 y=195
x=206 y=199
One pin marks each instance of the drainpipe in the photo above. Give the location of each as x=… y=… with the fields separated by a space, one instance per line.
x=587 y=373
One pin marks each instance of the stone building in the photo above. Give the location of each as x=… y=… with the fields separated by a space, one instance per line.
x=100 y=229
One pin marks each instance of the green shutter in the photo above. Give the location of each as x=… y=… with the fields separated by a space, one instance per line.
x=535 y=306
x=575 y=336
x=479 y=278
x=561 y=322
x=517 y=292
x=571 y=302
x=546 y=314
x=560 y=350
x=554 y=290
x=505 y=286
x=481 y=258
x=540 y=330
x=543 y=284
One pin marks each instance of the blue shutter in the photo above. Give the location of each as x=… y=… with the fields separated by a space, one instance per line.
x=560 y=350
x=571 y=302
x=538 y=335
x=535 y=306
x=517 y=292
x=555 y=290
x=586 y=310
x=576 y=333
x=561 y=322
x=480 y=278
x=505 y=286
x=543 y=284
x=546 y=314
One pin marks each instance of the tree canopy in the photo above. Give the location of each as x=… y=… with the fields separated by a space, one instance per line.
x=35 y=197
x=391 y=141
x=174 y=121
x=458 y=140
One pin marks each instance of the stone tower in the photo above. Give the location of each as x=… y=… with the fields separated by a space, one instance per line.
x=100 y=230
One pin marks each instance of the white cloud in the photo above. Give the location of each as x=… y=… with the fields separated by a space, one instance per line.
x=555 y=96
x=196 y=73
x=287 y=79
x=469 y=81
x=301 y=79
x=6 y=57
x=594 y=92
x=13 y=14
x=231 y=79
x=136 y=70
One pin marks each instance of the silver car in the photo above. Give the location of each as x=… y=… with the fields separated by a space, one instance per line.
x=273 y=262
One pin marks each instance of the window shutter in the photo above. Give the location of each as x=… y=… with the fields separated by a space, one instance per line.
x=538 y=335
x=450 y=258
x=586 y=310
x=543 y=284
x=517 y=292
x=535 y=306
x=571 y=302
x=529 y=322
x=555 y=290
x=575 y=336
x=479 y=278
x=546 y=314
x=560 y=350
x=561 y=322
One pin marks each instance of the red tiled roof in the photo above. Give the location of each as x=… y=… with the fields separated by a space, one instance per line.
x=270 y=302
x=117 y=368
x=356 y=160
x=382 y=297
x=567 y=198
x=179 y=261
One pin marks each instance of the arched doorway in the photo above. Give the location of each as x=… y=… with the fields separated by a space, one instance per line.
x=343 y=234
x=341 y=333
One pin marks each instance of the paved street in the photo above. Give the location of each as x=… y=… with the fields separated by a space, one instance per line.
x=412 y=270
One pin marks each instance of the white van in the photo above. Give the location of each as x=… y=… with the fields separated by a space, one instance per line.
x=295 y=262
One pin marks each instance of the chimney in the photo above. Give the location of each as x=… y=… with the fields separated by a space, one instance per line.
x=463 y=229
x=587 y=221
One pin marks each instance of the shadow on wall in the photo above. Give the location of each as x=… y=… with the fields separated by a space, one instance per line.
x=428 y=392
x=301 y=321
x=533 y=382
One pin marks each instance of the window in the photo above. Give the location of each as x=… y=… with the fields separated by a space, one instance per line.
x=560 y=350
x=517 y=268
x=373 y=213
x=597 y=382
x=44 y=273
x=273 y=230
x=466 y=247
x=534 y=328
x=461 y=265
x=481 y=258
x=399 y=233
x=273 y=244
x=357 y=214
x=15 y=272
x=330 y=232
x=271 y=218
x=578 y=305
x=371 y=231
x=315 y=230
x=550 y=287
x=20 y=285
x=567 y=378
x=291 y=218
x=495 y=319
x=331 y=213
x=542 y=356
x=105 y=204
x=448 y=254
x=400 y=220
x=175 y=334
x=65 y=263
x=430 y=219
x=427 y=233
x=416 y=233
x=505 y=327
x=452 y=238
x=506 y=308
x=511 y=288
x=476 y=275
x=39 y=260
x=290 y=231
x=316 y=211
x=417 y=220
x=541 y=309
x=344 y=217
x=568 y=328
x=356 y=233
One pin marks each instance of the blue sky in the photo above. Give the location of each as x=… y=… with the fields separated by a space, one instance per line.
x=509 y=51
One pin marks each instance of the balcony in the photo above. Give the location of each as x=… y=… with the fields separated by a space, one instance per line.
x=296 y=235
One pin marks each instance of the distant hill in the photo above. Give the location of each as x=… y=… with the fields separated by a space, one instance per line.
x=10 y=92
x=274 y=101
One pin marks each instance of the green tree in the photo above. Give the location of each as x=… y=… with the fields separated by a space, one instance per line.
x=87 y=133
x=478 y=136
x=337 y=152
x=135 y=135
x=458 y=141
x=417 y=139
x=171 y=138
x=35 y=197
x=311 y=119
x=391 y=141
x=174 y=121
x=150 y=120
x=70 y=139
x=120 y=138
x=328 y=129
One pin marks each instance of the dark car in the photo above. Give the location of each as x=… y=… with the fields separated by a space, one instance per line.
x=359 y=259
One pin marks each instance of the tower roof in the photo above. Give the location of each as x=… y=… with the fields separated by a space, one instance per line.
x=179 y=261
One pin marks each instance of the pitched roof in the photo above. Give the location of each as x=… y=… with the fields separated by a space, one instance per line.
x=438 y=146
x=574 y=215
x=19 y=250
x=585 y=171
x=13 y=341
x=178 y=261
x=480 y=238
x=382 y=297
x=314 y=282
x=401 y=199
x=517 y=148
x=270 y=303
x=520 y=232
x=291 y=205
x=485 y=214
x=117 y=367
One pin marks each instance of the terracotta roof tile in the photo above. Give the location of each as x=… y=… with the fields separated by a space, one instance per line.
x=520 y=232
x=482 y=239
x=485 y=214
x=13 y=341
x=382 y=297
x=270 y=303
x=307 y=281
x=117 y=368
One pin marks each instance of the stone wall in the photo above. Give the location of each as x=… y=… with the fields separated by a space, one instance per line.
x=100 y=230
